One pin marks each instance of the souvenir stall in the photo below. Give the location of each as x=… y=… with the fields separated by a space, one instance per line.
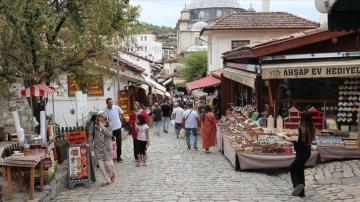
x=294 y=79
x=31 y=157
x=248 y=146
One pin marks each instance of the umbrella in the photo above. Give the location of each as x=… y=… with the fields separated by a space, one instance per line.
x=37 y=90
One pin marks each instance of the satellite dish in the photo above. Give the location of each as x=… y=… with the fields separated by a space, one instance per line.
x=324 y=6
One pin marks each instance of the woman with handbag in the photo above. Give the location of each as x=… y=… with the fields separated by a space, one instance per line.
x=208 y=128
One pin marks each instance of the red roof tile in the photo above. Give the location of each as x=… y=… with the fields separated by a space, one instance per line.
x=261 y=20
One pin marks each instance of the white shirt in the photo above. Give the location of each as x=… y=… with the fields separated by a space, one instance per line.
x=190 y=122
x=113 y=115
x=142 y=132
x=178 y=114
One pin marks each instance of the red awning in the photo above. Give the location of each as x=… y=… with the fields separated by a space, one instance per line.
x=203 y=83
x=37 y=90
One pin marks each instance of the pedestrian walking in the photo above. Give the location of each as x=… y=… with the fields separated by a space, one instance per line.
x=88 y=125
x=177 y=114
x=100 y=141
x=132 y=122
x=303 y=151
x=191 y=123
x=156 y=114
x=208 y=128
x=166 y=112
x=143 y=140
x=114 y=112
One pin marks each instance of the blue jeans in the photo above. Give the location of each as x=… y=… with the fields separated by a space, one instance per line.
x=187 y=133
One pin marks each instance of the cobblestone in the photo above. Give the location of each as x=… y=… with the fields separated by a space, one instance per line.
x=177 y=174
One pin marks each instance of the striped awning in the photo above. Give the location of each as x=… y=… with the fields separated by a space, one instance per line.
x=38 y=90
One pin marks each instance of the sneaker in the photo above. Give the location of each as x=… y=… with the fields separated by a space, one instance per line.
x=298 y=189
x=119 y=160
x=195 y=147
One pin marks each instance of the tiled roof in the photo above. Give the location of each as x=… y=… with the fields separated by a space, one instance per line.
x=277 y=40
x=216 y=73
x=261 y=20
x=130 y=65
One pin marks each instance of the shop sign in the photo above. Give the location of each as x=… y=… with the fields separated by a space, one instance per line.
x=123 y=102
x=310 y=72
x=95 y=88
x=79 y=165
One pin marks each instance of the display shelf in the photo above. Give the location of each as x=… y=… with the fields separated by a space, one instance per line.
x=348 y=104
x=292 y=121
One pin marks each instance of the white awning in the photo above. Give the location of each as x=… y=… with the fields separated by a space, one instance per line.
x=315 y=69
x=243 y=77
x=167 y=81
x=158 y=88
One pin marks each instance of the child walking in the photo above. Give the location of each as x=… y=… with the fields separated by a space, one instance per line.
x=142 y=140
x=114 y=148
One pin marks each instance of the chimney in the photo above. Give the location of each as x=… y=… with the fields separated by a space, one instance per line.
x=265 y=5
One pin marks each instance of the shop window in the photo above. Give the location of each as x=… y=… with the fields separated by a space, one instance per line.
x=239 y=43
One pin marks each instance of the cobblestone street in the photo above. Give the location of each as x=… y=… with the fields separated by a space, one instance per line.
x=177 y=174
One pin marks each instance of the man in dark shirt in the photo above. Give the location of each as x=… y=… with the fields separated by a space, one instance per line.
x=156 y=114
x=166 y=112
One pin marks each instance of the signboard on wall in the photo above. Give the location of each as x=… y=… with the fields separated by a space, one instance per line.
x=318 y=69
x=124 y=102
x=95 y=88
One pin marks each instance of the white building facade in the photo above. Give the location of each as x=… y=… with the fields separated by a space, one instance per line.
x=144 y=45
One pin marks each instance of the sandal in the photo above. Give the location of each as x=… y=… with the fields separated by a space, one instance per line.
x=104 y=184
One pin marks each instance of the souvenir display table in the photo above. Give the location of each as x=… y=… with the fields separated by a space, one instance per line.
x=219 y=140
x=258 y=161
x=337 y=153
x=247 y=146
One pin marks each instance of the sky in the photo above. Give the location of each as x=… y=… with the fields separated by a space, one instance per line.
x=167 y=12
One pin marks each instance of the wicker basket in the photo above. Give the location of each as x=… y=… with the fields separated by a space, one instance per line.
x=48 y=174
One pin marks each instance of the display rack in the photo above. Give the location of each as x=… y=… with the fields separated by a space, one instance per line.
x=349 y=97
x=317 y=118
x=292 y=121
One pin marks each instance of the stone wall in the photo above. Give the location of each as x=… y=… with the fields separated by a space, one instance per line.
x=6 y=117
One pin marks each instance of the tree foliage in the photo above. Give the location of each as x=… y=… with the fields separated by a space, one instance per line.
x=39 y=39
x=155 y=29
x=195 y=65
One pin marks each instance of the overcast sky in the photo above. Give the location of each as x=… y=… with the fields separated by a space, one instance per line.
x=167 y=12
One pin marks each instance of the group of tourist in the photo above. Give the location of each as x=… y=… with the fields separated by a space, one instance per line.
x=104 y=131
x=104 y=135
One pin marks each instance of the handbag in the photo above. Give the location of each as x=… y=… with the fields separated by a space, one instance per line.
x=182 y=132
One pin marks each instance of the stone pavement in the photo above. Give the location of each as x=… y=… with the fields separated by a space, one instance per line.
x=177 y=174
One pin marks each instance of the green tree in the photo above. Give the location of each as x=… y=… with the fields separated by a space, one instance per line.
x=39 y=39
x=155 y=29
x=195 y=65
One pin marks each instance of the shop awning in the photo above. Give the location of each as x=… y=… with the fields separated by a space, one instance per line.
x=167 y=81
x=157 y=88
x=243 y=77
x=203 y=83
x=314 y=69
